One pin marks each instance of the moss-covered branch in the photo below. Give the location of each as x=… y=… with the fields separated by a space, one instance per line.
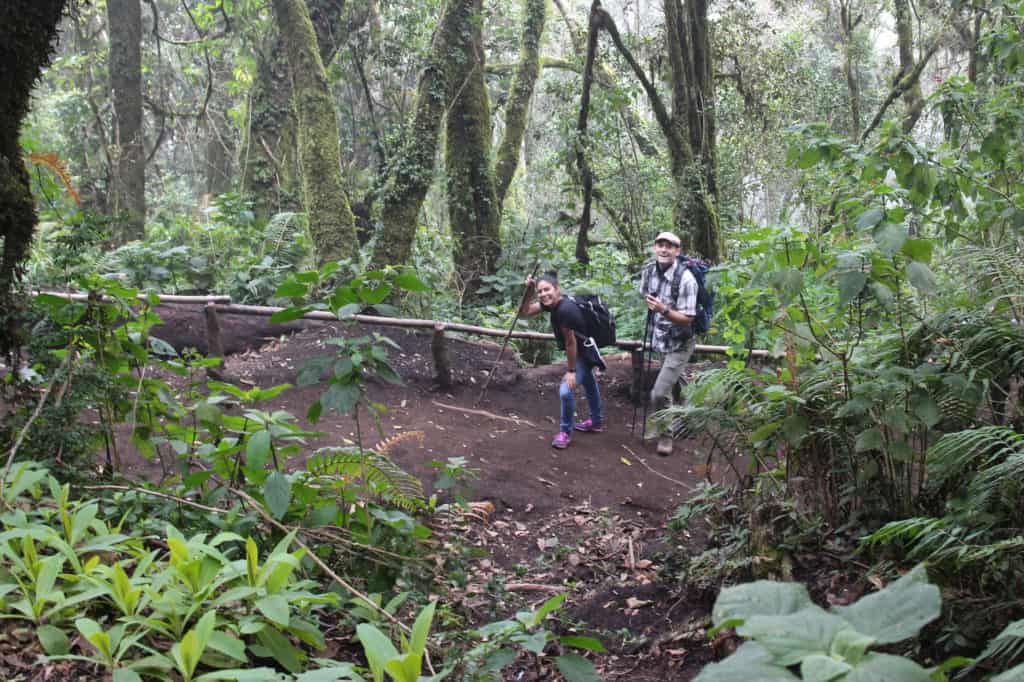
x=518 y=105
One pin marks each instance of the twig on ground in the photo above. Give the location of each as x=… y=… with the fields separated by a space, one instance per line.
x=533 y=587
x=485 y=413
x=656 y=472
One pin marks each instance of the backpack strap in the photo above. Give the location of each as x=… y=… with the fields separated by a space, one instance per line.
x=682 y=263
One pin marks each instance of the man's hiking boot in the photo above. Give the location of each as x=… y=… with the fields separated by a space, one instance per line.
x=589 y=426
x=664 y=446
x=561 y=440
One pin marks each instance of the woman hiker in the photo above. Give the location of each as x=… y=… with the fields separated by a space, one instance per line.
x=570 y=327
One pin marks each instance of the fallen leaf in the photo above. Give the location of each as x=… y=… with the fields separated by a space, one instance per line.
x=634 y=603
x=644 y=563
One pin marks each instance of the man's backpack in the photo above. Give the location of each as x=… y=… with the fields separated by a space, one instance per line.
x=600 y=321
x=705 y=296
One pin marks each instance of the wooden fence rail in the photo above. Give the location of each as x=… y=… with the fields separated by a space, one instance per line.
x=216 y=305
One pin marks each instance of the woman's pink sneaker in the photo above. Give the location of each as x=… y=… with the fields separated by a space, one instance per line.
x=590 y=427
x=561 y=440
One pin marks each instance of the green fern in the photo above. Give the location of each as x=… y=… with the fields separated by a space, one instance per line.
x=381 y=476
x=994 y=451
x=1007 y=647
x=1000 y=271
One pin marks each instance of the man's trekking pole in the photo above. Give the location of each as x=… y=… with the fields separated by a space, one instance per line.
x=504 y=344
x=643 y=377
x=647 y=372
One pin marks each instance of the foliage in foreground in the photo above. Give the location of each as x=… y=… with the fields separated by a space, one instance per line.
x=787 y=631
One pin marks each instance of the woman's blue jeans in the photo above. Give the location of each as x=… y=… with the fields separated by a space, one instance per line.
x=585 y=378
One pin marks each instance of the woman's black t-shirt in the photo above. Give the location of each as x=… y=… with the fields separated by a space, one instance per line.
x=567 y=314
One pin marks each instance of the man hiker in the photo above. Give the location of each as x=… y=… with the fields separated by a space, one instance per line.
x=671 y=333
x=570 y=329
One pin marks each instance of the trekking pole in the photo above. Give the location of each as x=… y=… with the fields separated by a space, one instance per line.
x=647 y=371
x=504 y=344
x=643 y=380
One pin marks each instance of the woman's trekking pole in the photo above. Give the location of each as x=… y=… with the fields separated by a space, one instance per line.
x=504 y=344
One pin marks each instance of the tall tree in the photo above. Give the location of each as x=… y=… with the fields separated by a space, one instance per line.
x=269 y=149
x=689 y=128
x=27 y=32
x=473 y=208
x=128 y=201
x=413 y=168
x=331 y=224
x=905 y=39
x=517 y=106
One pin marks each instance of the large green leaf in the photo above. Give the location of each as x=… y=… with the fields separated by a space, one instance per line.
x=283 y=651
x=890 y=237
x=340 y=397
x=275 y=607
x=822 y=668
x=851 y=283
x=378 y=649
x=886 y=668
x=920 y=275
x=760 y=598
x=750 y=663
x=575 y=668
x=897 y=612
x=53 y=639
x=277 y=491
x=791 y=637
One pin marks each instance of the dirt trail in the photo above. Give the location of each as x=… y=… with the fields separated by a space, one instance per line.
x=589 y=517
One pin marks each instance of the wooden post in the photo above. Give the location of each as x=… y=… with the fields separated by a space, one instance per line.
x=442 y=363
x=636 y=392
x=214 y=340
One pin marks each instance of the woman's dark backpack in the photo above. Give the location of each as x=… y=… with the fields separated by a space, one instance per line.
x=600 y=321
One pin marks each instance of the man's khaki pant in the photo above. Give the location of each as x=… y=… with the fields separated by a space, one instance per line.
x=672 y=365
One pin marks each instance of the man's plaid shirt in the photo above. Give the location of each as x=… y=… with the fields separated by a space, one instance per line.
x=659 y=284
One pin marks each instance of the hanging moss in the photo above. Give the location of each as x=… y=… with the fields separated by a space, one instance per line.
x=28 y=29
x=331 y=224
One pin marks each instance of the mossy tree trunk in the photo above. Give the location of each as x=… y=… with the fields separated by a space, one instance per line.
x=269 y=150
x=689 y=128
x=473 y=208
x=413 y=168
x=517 y=107
x=905 y=38
x=268 y=158
x=128 y=200
x=693 y=160
x=27 y=32
x=331 y=224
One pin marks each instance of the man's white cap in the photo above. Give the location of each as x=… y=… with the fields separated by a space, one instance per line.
x=669 y=237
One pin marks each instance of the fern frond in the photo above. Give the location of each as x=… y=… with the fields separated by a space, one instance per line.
x=725 y=388
x=964 y=452
x=381 y=476
x=1000 y=271
x=384 y=447
x=1007 y=647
